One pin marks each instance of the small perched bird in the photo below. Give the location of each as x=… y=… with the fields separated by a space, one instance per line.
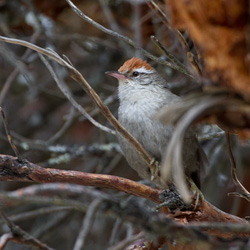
x=142 y=94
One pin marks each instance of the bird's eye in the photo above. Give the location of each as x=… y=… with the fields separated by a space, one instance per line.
x=135 y=73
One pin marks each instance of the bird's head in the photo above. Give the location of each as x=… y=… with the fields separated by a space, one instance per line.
x=134 y=71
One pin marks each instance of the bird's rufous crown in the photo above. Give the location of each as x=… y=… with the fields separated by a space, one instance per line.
x=134 y=63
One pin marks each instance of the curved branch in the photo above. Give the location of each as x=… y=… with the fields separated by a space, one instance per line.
x=13 y=170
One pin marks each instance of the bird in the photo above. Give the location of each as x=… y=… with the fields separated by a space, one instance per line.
x=142 y=93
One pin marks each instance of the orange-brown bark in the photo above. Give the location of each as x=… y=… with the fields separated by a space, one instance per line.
x=13 y=170
x=219 y=30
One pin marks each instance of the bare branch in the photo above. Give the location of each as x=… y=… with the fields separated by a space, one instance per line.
x=125 y=39
x=122 y=244
x=172 y=58
x=63 y=129
x=244 y=193
x=190 y=56
x=37 y=213
x=109 y=16
x=26 y=171
x=41 y=200
x=13 y=146
x=57 y=189
x=17 y=70
x=86 y=224
x=222 y=227
x=36 y=48
x=24 y=236
x=7 y=84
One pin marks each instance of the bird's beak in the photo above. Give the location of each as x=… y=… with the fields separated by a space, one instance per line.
x=116 y=75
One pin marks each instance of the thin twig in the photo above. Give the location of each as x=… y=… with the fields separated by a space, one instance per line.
x=15 y=72
x=172 y=58
x=50 y=224
x=7 y=84
x=66 y=125
x=13 y=146
x=124 y=243
x=66 y=91
x=47 y=52
x=109 y=16
x=58 y=189
x=24 y=236
x=40 y=200
x=75 y=150
x=37 y=213
x=114 y=163
x=152 y=5
x=11 y=58
x=190 y=56
x=244 y=193
x=137 y=29
x=115 y=228
x=86 y=225
x=222 y=227
x=125 y=39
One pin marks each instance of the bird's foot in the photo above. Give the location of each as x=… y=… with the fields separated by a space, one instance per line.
x=171 y=199
x=197 y=194
x=154 y=172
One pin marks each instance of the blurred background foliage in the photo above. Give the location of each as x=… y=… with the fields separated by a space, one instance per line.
x=37 y=110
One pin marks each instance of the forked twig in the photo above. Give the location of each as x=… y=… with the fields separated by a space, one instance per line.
x=165 y=20
x=13 y=146
x=172 y=58
x=244 y=193
x=87 y=224
x=23 y=235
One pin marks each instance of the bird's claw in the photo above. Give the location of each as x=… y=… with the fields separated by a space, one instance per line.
x=197 y=199
x=156 y=170
x=171 y=199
